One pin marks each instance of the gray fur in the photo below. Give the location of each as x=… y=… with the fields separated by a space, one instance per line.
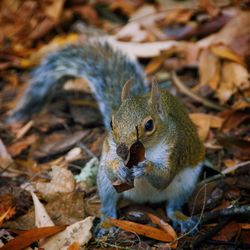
x=105 y=69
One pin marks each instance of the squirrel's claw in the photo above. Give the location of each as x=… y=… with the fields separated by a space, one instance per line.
x=138 y=170
x=189 y=226
x=101 y=232
x=124 y=174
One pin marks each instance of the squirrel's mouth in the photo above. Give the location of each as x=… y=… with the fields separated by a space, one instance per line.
x=133 y=155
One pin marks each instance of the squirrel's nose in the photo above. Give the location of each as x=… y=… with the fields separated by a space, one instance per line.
x=123 y=151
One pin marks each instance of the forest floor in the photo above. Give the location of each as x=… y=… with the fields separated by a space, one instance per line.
x=48 y=163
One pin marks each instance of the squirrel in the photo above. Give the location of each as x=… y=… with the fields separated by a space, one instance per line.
x=173 y=152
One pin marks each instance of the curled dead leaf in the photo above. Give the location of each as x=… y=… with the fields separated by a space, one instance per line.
x=204 y=122
x=145 y=230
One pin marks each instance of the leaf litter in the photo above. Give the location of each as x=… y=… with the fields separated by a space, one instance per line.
x=206 y=43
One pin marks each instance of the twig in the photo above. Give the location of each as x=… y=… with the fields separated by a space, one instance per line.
x=245 y=209
x=223 y=173
x=210 y=233
x=240 y=245
x=185 y=90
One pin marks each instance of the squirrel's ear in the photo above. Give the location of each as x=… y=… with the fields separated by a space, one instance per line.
x=125 y=90
x=155 y=97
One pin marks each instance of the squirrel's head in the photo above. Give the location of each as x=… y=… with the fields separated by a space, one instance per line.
x=138 y=118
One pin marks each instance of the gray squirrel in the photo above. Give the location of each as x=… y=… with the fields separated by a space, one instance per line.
x=173 y=152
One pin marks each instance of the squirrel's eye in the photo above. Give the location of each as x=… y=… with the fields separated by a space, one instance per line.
x=149 y=125
x=111 y=124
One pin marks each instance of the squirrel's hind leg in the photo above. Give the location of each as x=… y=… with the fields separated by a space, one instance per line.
x=179 y=191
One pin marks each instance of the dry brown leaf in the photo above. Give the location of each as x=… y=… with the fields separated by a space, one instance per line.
x=88 y=13
x=79 y=232
x=178 y=15
x=54 y=9
x=24 y=130
x=234 y=76
x=141 y=50
x=240 y=148
x=209 y=6
x=245 y=226
x=241 y=104
x=204 y=122
x=42 y=218
x=209 y=69
x=8 y=214
x=230 y=162
x=145 y=230
x=62 y=181
x=228 y=232
x=127 y=7
x=30 y=236
x=166 y=227
x=224 y=52
x=74 y=246
x=132 y=32
x=233 y=119
x=154 y=65
x=19 y=146
x=54 y=44
x=58 y=143
x=236 y=28
x=5 y=158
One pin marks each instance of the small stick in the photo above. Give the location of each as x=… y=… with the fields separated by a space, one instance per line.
x=223 y=173
x=245 y=209
x=200 y=240
x=185 y=90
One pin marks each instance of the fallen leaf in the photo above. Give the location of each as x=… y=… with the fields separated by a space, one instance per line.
x=245 y=226
x=79 y=232
x=233 y=119
x=59 y=208
x=58 y=143
x=74 y=246
x=5 y=158
x=237 y=146
x=54 y=9
x=18 y=147
x=166 y=227
x=228 y=232
x=24 y=130
x=209 y=75
x=88 y=13
x=42 y=218
x=62 y=181
x=234 y=77
x=154 y=65
x=141 y=50
x=127 y=7
x=132 y=32
x=56 y=43
x=204 y=122
x=145 y=230
x=8 y=214
x=231 y=33
x=28 y=237
x=45 y=122
x=209 y=6
x=74 y=154
x=223 y=52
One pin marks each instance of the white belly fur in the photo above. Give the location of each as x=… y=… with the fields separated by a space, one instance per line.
x=145 y=192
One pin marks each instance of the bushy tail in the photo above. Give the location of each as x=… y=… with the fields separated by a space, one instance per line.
x=105 y=69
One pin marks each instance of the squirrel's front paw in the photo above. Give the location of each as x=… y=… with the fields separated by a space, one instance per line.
x=139 y=169
x=124 y=174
